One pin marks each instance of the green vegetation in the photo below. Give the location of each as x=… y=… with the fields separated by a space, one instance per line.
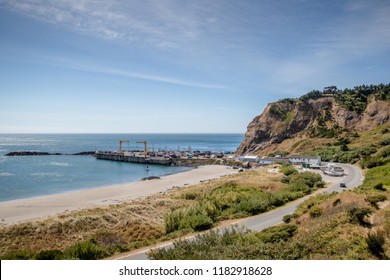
x=332 y=226
x=101 y=245
x=230 y=244
x=376 y=242
x=355 y=99
x=327 y=226
x=99 y=233
x=278 y=112
x=288 y=169
x=370 y=149
x=231 y=201
x=280 y=153
x=353 y=224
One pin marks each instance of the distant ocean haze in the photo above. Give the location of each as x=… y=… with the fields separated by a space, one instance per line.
x=31 y=176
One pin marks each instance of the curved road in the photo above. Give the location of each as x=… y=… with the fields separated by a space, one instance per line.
x=352 y=179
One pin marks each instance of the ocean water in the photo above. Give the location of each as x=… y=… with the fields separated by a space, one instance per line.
x=31 y=176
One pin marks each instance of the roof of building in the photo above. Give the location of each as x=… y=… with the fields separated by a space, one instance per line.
x=308 y=157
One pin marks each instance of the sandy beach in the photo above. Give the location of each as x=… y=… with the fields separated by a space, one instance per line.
x=41 y=207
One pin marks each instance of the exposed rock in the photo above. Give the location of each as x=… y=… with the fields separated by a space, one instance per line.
x=150 y=178
x=89 y=153
x=36 y=153
x=28 y=153
x=322 y=117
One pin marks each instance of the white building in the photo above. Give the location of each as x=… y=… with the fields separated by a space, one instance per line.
x=272 y=160
x=250 y=158
x=311 y=160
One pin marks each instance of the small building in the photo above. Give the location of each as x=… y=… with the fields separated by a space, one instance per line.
x=312 y=161
x=272 y=160
x=250 y=159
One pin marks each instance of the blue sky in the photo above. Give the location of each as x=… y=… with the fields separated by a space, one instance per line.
x=161 y=66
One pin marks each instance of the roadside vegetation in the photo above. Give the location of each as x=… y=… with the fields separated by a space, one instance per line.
x=368 y=149
x=353 y=224
x=234 y=199
x=349 y=225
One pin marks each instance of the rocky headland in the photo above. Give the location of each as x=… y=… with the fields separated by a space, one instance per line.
x=317 y=115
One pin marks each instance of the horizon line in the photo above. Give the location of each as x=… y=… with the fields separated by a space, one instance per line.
x=122 y=133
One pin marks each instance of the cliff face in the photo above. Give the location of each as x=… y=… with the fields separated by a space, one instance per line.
x=313 y=118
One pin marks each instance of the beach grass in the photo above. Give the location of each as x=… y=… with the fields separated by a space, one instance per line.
x=108 y=230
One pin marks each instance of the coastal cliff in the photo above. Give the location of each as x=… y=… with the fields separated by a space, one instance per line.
x=320 y=115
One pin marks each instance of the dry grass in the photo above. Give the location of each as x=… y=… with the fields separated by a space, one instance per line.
x=297 y=145
x=140 y=220
x=332 y=235
x=130 y=221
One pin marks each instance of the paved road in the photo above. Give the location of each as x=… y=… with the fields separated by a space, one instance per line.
x=352 y=179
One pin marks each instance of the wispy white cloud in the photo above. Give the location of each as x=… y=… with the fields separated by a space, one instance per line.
x=164 y=24
x=93 y=68
x=230 y=34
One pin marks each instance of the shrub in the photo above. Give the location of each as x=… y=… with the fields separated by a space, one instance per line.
x=288 y=170
x=196 y=218
x=254 y=206
x=172 y=220
x=377 y=178
x=87 y=250
x=281 y=153
x=20 y=255
x=109 y=241
x=211 y=210
x=385 y=142
x=49 y=255
x=371 y=162
x=192 y=217
x=375 y=242
x=190 y=196
x=299 y=186
x=278 y=112
x=277 y=233
x=315 y=211
x=308 y=178
x=287 y=218
x=374 y=199
x=379 y=187
x=358 y=215
x=336 y=202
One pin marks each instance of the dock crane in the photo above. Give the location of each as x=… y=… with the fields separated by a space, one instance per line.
x=120 y=145
x=145 y=150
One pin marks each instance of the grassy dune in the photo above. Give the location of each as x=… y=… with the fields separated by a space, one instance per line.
x=101 y=232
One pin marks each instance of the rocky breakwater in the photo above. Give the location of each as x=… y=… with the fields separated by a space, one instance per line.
x=37 y=153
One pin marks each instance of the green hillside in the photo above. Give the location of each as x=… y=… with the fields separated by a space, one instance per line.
x=354 y=224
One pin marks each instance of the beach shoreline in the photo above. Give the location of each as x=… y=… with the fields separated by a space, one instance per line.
x=29 y=209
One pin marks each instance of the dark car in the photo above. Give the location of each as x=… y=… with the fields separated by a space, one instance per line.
x=343 y=185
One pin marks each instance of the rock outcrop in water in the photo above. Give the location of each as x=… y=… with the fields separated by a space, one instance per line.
x=36 y=153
